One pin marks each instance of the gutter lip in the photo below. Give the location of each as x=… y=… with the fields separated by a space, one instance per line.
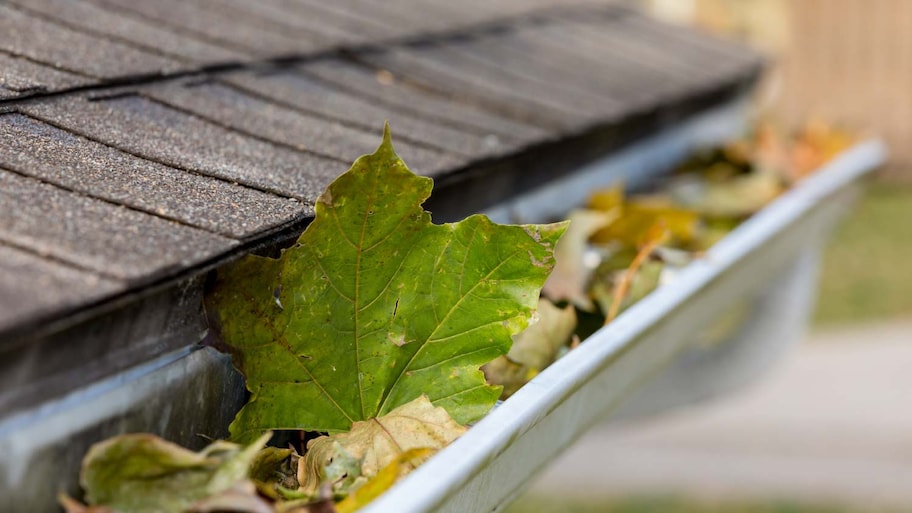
x=429 y=487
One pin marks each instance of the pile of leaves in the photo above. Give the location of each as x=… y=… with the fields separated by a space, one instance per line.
x=620 y=248
x=362 y=345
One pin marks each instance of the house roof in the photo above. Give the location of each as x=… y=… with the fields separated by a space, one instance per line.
x=145 y=142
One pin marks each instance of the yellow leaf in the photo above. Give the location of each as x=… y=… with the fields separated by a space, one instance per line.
x=608 y=199
x=633 y=227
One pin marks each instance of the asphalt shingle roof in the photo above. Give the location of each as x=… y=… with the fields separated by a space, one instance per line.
x=142 y=142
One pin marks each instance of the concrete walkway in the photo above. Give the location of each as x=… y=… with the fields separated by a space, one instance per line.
x=832 y=424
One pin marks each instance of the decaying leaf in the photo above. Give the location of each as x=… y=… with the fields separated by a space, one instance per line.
x=621 y=290
x=377 y=442
x=533 y=349
x=141 y=473
x=570 y=277
x=735 y=198
x=645 y=280
x=241 y=498
x=375 y=306
x=273 y=470
x=385 y=478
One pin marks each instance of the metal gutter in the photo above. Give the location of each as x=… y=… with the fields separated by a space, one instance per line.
x=484 y=469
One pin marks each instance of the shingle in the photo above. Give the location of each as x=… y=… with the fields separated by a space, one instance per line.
x=630 y=79
x=220 y=24
x=720 y=56
x=307 y=95
x=326 y=26
x=540 y=55
x=66 y=49
x=35 y=148
x=32 y=287
x=624 y=43
x=118 y=25
x=21 y=75
x=228 y=106
x=351 y=77
x=667 y=32
x=524 y=77
x=95 y=235
x=412 y=21
x=154 y=131
x=499 y=96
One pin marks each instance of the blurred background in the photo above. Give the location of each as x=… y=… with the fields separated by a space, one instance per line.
x=830 y=429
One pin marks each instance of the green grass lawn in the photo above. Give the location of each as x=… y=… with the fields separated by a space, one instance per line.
x=867 y=271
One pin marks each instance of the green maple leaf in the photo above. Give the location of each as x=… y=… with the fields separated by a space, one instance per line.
x=375 y=306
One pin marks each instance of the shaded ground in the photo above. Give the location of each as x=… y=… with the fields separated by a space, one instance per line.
x=832 y=425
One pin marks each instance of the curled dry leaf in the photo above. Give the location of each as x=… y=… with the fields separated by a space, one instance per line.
x=570 y=278
x=241 y=498
x=738 y=197
x=654 y=237
x=274 y=470
x=376 y=443
x=533 y=349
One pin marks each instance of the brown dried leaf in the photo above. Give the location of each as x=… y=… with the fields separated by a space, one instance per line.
x=242 y=498
x=386 y=478
x=377 y=442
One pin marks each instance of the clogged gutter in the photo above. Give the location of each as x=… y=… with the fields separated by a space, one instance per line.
x=425 y=307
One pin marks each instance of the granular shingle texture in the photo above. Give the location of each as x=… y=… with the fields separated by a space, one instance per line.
x=53 y=155
x=60 y=47
x=97 y=236
x=147 y=128
x=33 y=288
x=345 y=76
x=321 y=134
x=297 y=91
x=22 y=76
x=104 y=22
x=142 y=143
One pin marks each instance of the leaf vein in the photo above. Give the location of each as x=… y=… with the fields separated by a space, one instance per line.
x=388 y=392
